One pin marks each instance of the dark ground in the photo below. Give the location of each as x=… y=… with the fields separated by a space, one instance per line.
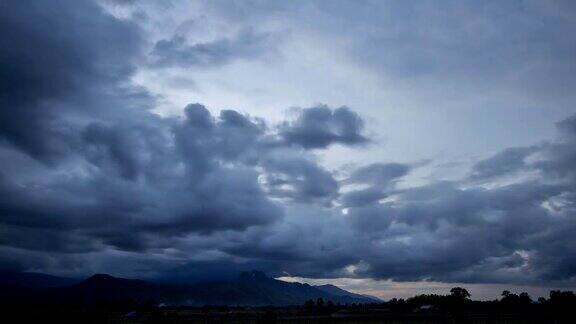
x=457 y=307
x=343 y=314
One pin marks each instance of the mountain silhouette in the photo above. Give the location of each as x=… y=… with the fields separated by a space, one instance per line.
x=250 y=288
x=34 y=280
x=337 y=291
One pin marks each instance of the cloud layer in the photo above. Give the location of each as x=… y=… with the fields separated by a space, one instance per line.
x=93 y=180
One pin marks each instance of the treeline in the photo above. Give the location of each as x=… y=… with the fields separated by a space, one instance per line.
x=459 y=300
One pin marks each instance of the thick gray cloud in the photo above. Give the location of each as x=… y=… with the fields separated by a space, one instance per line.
x=298 y=179
x=319 y=127
x=362 y=197
x=462 y=233
x=65 y=77
x=447 y=231
x=92 y=180
x=380 y=178
x=178 y=51
x=503 y=163
x=117 y=169
x=379 y=174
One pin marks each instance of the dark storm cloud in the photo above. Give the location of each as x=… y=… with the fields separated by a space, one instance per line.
x=380 y=177
x=298 y=179
x=319 y=127
x=557 y=159
x=232 y=136
x=43 y=73
x=362 y=197
x=567 y=127
x=451 y=229
x=513 y=233
x=554 y=160
x=114 y=168
x=508 y=161
x=115 y=147
x=179 y=51
x=148 y=184
x=447 y=231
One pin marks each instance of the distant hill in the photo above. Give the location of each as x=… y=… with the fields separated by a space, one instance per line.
x=337 y=291
x=251 y=288
x=34 y=280
x=254 y=288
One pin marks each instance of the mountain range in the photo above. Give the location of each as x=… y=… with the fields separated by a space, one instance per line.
x=252 y=288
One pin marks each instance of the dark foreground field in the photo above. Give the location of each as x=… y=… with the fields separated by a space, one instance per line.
x=254 y=298
x=285 y=315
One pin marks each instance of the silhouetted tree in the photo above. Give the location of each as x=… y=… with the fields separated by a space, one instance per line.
x=542 y=300
x=459 y=293
x=562 y=298
x=320 y=302
x=509 y=298
x=524 y=298
x=309 y=304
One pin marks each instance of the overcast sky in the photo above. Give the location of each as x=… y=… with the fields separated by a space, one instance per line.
x=390 y=147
